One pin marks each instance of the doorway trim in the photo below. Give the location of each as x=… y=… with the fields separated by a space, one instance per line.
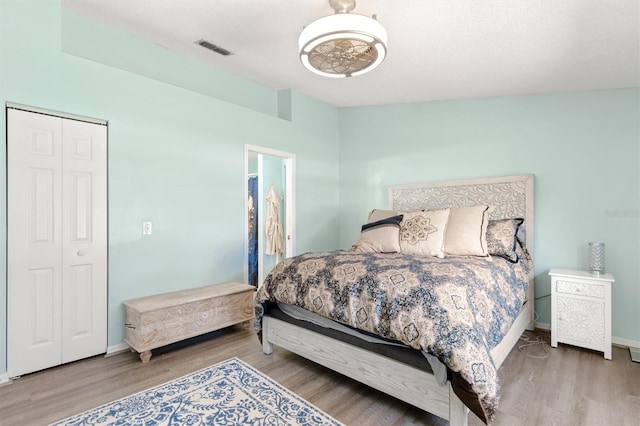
x=37 y=110
x=290 y=216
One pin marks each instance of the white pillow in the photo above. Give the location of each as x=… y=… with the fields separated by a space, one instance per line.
x=381 y=236
x=422 y=233
x=466 y=233
x=378 y=214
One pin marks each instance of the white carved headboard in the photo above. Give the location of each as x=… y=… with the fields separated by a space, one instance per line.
x=511 y=197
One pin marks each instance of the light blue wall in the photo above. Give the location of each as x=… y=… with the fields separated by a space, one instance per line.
x=99 y=43
x=175 y=157
x=583 y=149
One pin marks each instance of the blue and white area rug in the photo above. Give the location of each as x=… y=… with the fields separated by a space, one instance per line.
x=229 y=393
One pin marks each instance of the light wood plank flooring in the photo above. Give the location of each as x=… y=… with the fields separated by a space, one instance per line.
x=571 y=387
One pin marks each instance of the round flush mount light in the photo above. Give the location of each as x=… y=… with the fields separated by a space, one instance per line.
x=343 y=44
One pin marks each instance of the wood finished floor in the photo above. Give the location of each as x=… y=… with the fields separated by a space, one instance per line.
x=571 y=387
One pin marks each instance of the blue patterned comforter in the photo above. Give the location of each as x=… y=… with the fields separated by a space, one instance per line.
x=456 y=308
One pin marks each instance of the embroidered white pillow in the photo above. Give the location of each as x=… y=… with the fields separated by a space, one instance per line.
x=422 y=233
x=466 y=233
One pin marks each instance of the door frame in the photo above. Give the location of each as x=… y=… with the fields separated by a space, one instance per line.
x=7 y=376
x=289 y=161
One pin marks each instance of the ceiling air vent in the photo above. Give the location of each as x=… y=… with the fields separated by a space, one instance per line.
x=211 y=46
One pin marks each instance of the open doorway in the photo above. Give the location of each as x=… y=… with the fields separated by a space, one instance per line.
x=269 y=210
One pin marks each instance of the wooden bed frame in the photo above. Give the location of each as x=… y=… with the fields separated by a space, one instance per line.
x=511 y=197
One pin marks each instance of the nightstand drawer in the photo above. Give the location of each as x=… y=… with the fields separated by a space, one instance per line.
x=581 y=288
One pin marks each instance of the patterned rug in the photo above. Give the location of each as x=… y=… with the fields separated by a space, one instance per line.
x=228 y=393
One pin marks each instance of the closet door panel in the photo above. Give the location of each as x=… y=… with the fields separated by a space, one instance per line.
x=84 y=257
x=34 y=279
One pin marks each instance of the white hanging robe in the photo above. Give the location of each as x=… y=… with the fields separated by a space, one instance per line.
x=273 y=226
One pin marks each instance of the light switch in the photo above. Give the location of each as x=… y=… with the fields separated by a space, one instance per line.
x=147 y=228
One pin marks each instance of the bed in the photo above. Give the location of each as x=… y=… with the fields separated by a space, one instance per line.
x=493 y=294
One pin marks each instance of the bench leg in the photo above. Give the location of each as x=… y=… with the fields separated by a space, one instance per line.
x=145 y=356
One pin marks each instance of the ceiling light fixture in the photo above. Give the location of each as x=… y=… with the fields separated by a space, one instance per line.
x=343 y=44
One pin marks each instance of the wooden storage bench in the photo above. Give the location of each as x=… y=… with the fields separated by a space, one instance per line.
x=162 y=319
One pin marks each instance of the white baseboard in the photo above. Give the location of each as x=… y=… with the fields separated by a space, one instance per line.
x=626 y=343
x=4 y=379
x=116 y=349
x=618 y=341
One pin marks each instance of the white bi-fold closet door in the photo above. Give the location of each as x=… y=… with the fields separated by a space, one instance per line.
x=56 y=240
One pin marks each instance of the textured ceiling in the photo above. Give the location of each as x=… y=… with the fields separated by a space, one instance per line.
x=438 y=49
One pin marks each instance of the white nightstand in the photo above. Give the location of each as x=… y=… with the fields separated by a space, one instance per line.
x=581 y=309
